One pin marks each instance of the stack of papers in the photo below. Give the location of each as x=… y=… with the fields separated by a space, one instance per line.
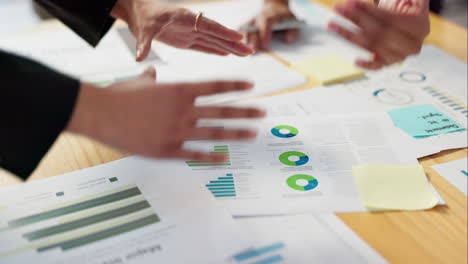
x=102 y=215
x=348 y=147
x=129 y=211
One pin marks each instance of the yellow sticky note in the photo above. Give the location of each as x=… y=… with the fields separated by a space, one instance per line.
x=394 y=187
x=329 y=69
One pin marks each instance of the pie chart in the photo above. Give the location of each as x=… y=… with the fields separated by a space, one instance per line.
x=294 y=158
x=284 y=131
x=302 y=182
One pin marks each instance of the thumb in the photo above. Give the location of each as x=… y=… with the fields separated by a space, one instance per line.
x=150 y=73
x=143 y=47
x=291 y=36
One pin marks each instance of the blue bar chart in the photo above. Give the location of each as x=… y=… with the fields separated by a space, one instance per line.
x=223 y=186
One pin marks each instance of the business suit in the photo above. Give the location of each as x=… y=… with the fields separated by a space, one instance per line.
x=36 y=102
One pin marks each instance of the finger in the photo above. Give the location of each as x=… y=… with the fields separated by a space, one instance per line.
x=234 y=47
x=211 y=45
x=209 y=50
x=209 y=88
x=370 y=65
x=356 y=38
x=150 y=73
x=400 y=21
x=228 y=112
x=266 y=32
x=206 y=133
x=401 y=43
x=254 y=41
x=143 y=46
x=366 y=22
x=389 y=56
x=215 y=29
x=198 y=156
x=291 y=36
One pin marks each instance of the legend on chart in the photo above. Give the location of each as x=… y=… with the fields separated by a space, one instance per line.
x=217 y=150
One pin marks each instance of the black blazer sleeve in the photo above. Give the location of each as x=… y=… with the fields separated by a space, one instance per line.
x=88 y=18
x=35 y=106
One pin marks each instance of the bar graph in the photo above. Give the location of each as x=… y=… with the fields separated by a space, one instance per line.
x=453 y=103
x=75 y=207
x=265 y=255
x=82 y=221
x=223 y=186
x=217 y=150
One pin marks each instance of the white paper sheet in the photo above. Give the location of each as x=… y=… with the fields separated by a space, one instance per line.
x=258 y=182
x=268 y=74
x=16 y=15
x=189 y=221
x=456 y=172
x=66 y=52
x=417 y=81
x=304 y=239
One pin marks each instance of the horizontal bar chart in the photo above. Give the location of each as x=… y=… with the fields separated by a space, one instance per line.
x=217 y=150
x=107 y=233
x=223 y=186
x=259 y=252
x=73 y=208
x=80 y=223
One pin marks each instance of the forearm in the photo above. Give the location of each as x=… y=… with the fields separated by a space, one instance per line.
x=91 y=19
x=35 y=106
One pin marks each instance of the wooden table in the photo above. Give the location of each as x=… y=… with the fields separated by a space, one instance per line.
x=435 y=236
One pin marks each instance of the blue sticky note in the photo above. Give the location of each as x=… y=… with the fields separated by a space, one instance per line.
x=423 y=121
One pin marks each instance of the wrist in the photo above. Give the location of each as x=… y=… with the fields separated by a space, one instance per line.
x=123 y=9
x=86 y=111
x=277 y=2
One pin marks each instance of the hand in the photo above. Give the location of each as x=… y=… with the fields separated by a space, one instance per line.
x=392 y=31
x=274 y=11
x=145 y=118
x=150 y=20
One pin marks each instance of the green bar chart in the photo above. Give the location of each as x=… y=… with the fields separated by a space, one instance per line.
x=83 y=221
x=217 y=150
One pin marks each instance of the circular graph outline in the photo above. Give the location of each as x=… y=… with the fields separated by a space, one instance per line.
x=303 y=158
x=276 y=131
x=312 y=182
x=421 y=76
x=378 y=96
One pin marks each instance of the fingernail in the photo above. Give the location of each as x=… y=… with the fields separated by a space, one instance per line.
x=139 y=51
x=253 y=134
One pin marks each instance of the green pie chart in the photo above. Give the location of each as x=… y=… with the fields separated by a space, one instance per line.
x=311 y=182
x=294 y=158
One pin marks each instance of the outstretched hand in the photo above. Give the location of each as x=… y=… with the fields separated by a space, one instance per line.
x=178 y=27
x=392 y=30
x=154 y=120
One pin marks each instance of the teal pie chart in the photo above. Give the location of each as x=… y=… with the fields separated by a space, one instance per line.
x=302 y=182
x=294 y=158
x=284 y=131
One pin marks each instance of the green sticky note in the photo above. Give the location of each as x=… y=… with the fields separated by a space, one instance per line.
x=329 y=69
x=394 y=187
x=423 y=121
